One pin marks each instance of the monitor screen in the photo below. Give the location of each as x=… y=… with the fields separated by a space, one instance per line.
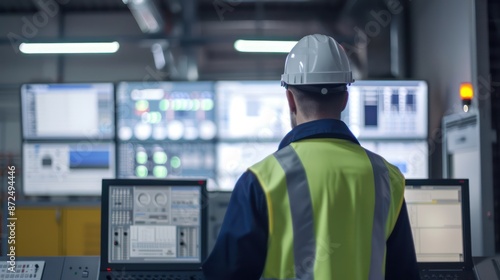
x=166 y=159
x=67 y=111
x=67 y=169
x=251 y=109
x=387 y=109
x=147 y=222
x=165 y=111
x=441 y=231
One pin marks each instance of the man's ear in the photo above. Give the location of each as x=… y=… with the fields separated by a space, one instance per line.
x=291 y=101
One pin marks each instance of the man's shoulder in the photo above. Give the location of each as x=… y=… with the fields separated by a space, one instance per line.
x=262 y=163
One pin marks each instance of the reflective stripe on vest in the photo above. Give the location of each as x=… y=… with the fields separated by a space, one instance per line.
x=382 y=204
x=304 y=242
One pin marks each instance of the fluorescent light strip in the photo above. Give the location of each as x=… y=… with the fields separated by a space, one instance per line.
x=264 y=46
x=47 y=48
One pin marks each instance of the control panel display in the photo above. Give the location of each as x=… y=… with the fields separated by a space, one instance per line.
x=387 y=109
x=436 y=221
x=67 y=168
x=23 y=270
x=167 y=159
x=165 y=111
x=154 y=224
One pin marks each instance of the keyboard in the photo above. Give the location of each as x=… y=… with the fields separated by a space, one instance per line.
x=456 y=275
x=23 y=270
x=150 y=275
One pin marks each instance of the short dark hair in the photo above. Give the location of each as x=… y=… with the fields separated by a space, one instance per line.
x=314 y=103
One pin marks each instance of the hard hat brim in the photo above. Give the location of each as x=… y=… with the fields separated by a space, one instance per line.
x=322 y=89
x=317 y=78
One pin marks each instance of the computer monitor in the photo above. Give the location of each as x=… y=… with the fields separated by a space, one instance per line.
x=166 y=159
x=440 y=220
x=165 y=111
x=153 y=224
x=67 y=168
x=252 y=110
x=387 y=109
x=68 y=111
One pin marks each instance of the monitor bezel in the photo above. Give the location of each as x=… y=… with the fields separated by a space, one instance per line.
x=466 y=230
x=110 y=267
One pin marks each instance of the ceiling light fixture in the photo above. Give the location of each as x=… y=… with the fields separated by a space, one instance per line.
x=264 y=46
x=61 y=48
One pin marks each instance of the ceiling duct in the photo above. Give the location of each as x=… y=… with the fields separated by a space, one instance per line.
x=147 y=15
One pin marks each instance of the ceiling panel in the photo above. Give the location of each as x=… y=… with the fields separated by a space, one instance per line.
x=213 y=30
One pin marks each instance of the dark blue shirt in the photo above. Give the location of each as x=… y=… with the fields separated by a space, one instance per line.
x=241 y=247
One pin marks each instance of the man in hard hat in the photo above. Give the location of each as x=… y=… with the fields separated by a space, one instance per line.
x=321 y=207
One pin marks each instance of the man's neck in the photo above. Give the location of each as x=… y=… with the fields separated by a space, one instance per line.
x=302 y=119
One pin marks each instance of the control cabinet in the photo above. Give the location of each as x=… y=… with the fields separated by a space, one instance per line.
x=58 y=231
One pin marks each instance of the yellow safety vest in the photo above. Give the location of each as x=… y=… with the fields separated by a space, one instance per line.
x=331 y=206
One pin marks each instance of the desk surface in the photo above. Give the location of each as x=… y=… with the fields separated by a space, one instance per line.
x=73 y=267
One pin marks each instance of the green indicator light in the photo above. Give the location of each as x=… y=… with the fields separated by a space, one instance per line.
x=141 y=105
x=141 y=157
x=196 y=105
x=178 y=104
x=207 y=104
x=164 y=105
x=154 y=117
x=160 y=171
x=141 y=171
x=175 y=162
x=160 y=157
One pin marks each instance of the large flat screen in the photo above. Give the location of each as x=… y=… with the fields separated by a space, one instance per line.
x=168 y=159
x=252 y=110
x=387 y=109
x=165 y=111
x=67 y=169
x=67 y=111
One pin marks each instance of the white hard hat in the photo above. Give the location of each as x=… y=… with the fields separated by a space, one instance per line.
x=317 y=59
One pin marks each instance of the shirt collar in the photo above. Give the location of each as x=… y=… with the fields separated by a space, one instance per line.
x=325 y=128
